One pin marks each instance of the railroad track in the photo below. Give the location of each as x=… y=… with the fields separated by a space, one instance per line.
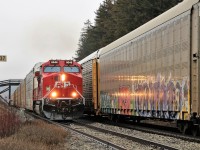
x=150 y=128
x=106 y=137
x=112 y=138
x=152 y=144
x=174 y=142
x=164 y=132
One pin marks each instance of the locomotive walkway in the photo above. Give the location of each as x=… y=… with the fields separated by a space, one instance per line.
x=9 y=84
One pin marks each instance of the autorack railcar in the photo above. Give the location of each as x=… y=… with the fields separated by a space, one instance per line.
x=153 y=71
x=52 y=89
x=90 y=82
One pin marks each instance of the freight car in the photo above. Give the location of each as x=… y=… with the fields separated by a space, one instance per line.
x=152 y=72
x=52 y=89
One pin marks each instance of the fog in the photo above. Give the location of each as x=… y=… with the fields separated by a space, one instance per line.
x=34 y=31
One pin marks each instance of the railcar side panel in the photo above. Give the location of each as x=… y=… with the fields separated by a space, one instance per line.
x=90 y=82
x=29 y=90
x=15 y=98
x=87 y=86
x=23 y=93
x=31 y=84
x=19 y=96
x=149 y=76
x=195 y=104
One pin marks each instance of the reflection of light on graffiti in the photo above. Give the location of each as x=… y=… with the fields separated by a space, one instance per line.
x=121 y=94
x=152 y=96
x=132 y=94
x=131 y=78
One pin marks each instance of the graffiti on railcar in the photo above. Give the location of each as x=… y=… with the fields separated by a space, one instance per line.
x=164 y=98
x=161 y=97
x=124 y=97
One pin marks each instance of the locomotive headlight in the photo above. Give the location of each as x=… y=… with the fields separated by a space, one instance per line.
x=63 y=77
x=53 y=94
x=74 y=94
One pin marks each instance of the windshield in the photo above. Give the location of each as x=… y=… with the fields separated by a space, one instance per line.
x=52 y=69
x=71 y=69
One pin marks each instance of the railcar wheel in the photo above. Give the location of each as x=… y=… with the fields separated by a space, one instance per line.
x=114 y=118
x=181 y=128
x=195 y=130
x=111 y=117
x=117 y=119
x=138 y=120
x=186 y=129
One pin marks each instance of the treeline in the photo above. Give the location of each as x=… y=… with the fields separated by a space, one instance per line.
x=115 y=18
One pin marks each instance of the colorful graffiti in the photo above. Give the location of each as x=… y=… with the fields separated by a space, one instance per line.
x=160 y=97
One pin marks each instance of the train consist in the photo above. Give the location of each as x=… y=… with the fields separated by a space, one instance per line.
x=152 y=72
x=52 y=89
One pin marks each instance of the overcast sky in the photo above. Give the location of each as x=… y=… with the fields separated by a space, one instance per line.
x=34 y=31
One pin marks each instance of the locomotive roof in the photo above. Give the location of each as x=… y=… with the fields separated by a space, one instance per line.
x=170 y=14
x=62 y=60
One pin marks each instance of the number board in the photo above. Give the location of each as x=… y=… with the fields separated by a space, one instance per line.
x=3 y=58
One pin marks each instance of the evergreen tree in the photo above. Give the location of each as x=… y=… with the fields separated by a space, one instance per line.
x=83 y=45
x=115 y=18
x=104 y=23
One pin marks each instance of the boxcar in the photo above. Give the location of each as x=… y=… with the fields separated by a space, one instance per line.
x=31 y=85
x=90 y=82
x=153 y=71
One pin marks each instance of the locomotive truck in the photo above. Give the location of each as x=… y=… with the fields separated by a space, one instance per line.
x=52 y=89
x=152 y=72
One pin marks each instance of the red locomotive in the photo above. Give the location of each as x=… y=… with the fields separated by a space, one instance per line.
x=53 y=89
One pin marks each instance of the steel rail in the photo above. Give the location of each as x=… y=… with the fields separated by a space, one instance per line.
x=134 y=139
x=95 y=139
x=163 y=132
x=154 y=129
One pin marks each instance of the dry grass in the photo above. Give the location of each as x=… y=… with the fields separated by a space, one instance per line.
x=9 y=122
x=34 y=135
x=41 y=132
x=17 y=144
